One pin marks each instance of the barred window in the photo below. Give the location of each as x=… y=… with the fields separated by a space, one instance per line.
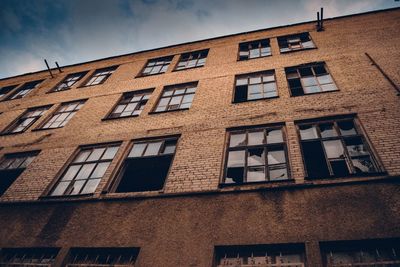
x=26 y=120
x=102 y=257
x=5 y=90
x=379 y=253
x=100 y=76
x=295 y=42
x=290 y=255
x=309 y=79
x=12 y=166
x=147 y=165
x=256 y=155
x=254 y=86
x=131 y=104
x=176 y=97
x=192 y=60
x=24 y=89
x=63 y=115
x=69 y=81
x=38 y=257
x=254 y=49
x=157 y=66
x=335 y=148
x=85 y=172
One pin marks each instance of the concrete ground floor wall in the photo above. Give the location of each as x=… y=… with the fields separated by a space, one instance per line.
x=184 y=230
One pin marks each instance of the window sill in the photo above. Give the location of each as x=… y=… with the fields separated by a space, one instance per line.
x=148 y=75
x=67 y=197
x=346 y=178
x=8 y=134
x=195 y=67
x=259 y=183
x=239 y=60
x=316 y=93
x=253 y=100
x=167 y=111
x=51 y=92
x=45 y=129
x=298 y=50
x=119 y=118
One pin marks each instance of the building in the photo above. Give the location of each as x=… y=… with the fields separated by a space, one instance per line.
x=277 y=146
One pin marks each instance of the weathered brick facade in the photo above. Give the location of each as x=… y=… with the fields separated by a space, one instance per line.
x=181 y=225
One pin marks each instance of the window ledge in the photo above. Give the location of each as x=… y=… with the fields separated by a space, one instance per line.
x=195 y=67
x=10 y=133
x=244 y=60
x=252 y=100
x=257 y=184
x=45 y=129
x=317 y=93
x=167 y=111
x=298 y=50
x=148 y=75
x=67 y=197
x=119 y=118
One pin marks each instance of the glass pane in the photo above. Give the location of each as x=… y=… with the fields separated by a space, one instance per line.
x=305 y=72
x=168 y=92
x=110 y=152
x=312 y=89
x=164 y=101
x=254 y=80
x=100 y=170
x=242 y=81
x=85 y=171
x=71 y=172
x=255 y=89
x=325 y=79
x=90 y=186
x=347 y=127
x=176 y=100
x=355 y=147
x=119 y=109
x=254 y=53
x=191 y=90
x=320 y=69
x=269 y=87
x=268 y=77
x=255 y=174
x=255 y=96
x=327 y=130
x=130 y=107
x=309 y=81
x=60 y=189
x=308 y=132
x=237 y=140
x=179 y=91
x=188 y=98
x=137 y=150
x=328 y=87
x=17 y=162
x=76 y=187
x=153 y=149
x=334 y=149
x=256 y=157
x=276 y=157
x=363 y=165
x=5 y=163
x=274 y=136
x=82 y=156
x=236 y=158
x=27 y=161
x=276 y=174
x=96 y=154
x=256 y=138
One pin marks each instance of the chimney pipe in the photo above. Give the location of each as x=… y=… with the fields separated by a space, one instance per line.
x=48 y=68
x=58 y=67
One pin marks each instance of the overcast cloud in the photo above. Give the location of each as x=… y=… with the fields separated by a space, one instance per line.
x=73 y=31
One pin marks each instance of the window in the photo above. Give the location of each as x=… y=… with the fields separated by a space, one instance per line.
x=335 y=148
x=192 y=60
x=11 y=166
x=26 y=120
x=378 y=253
x=131 y=104
x=295 y=42
x=86 y=170
x=6 y=89
x=176 y=97
x=38 y=257
x=256 y=155
x=69 y=81
x=157 y=66
x=100 y=76
x=254 y=49
x=24 y=90
x=287 y=255
x=254 y=86
x=102 y=257
x=309 y=79
x=63 y=115
x=146 y=166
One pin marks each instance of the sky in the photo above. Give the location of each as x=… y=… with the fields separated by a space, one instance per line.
x=74 y=31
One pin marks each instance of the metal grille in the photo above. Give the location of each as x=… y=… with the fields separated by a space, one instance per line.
x=21 y=257
x=102 y=257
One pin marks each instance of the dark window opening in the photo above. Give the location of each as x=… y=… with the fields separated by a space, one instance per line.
x=12 y=166
x=24 y=90
x=147 y=165
x=282 y=255
x=254 y=49
x=295 y=42
x=192 y=60
x=63 y=114
x=157 y=66
x=5 y=90
x=100 y=76
x=69 y=81
x=38 y=257
x=176 y=97
x=335 y=148
x=27 y=119
x=255 y=86
x=131 y=104
x=79 y=257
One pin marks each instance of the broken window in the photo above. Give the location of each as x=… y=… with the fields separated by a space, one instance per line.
x=295 y=42
x=131 y=104
x=285 y=255
x=309 y=79
x=26 y=120
x=38 y=257
x=102 y=257
x=100 y=76
x=25 y=89
x=192 y=60
x=254 y=49
x=335 y=148
x=176 y=97
x=157 y=66
x=361 y=253
x=147 y=165
x=254 y=86
x=12 y=166
x=5 y=90
x=85 y=172
x=69 y=81
x=256 y=155
x=63 y=114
